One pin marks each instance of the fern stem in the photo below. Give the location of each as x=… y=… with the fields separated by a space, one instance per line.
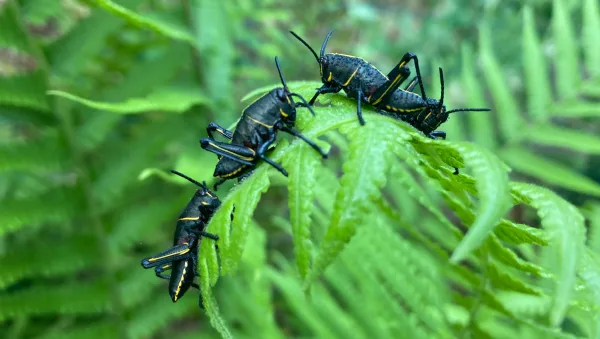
x=482 y=287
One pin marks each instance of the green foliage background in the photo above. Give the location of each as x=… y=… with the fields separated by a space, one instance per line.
x=98 y=99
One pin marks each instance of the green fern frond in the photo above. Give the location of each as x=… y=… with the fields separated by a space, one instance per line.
x=158 y=313
x=364 y=175
x=100 y=329
x=509 y=258
x=574 y=109
x=590 y=273
x=233 y=235
x=549 y=170
x=136 y=285
x=48 y=259
x=494 y=198
x=385 y=239
x=505 y=103
x=590 y=35
x=484 y=134
x=163 y=28
x=420 y=194
x=140 y=80
x=55 y=206
x=500 y=278
x=302 y=169
x=536 y=74
x=129 y=161
x=293 y=293
x=45 y=155
x=518 y=234
x=176 y=100
x=81 y=298
x=567 y=65
x=247 y=300
x=566 y=227
x=393 y=317
x=563 y=137
x=22 y=90
x=143 y=218
x=592 y=213
x=209 y=302
x=419 y=285
x=525 y=304
x=541 y=104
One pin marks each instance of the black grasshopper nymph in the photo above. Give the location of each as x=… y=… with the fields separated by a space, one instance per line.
x=182 y=258
x=255 y=132
x=364 y=82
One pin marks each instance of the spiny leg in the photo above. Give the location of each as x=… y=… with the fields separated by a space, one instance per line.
x=241 y=154
x=438 y=134
x=159 y=270
x=412 y=84
x=244 y=176
x=324 y=90
x=395 y=78
x=214 y=127
x=179 y=252
x=359 y=109
x=305 y=139
x=263 y=148
x=218 y=183
x=196 y=228
x=418 y=71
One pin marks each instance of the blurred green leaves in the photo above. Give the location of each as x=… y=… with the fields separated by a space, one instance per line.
x=153 y=24
x=384 y=236
x=176 y=100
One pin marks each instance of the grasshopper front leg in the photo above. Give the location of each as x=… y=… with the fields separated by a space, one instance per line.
x=324 y=90
x=214 y=127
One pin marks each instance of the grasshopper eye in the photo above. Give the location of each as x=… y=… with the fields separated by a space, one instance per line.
x=281 y=95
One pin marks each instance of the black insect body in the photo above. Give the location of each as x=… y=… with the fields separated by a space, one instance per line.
x=428 y=113
x=360 y=79
x=255 y=133
x=181 y=259
x=364 y=82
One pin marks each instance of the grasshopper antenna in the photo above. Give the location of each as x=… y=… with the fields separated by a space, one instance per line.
x=202 y=185
x=306 y=104
x=325 y=43
x=442 y=83
x=307 y=45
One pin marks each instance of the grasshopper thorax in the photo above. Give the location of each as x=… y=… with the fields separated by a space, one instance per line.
x=287 y=108
x=206 y=201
